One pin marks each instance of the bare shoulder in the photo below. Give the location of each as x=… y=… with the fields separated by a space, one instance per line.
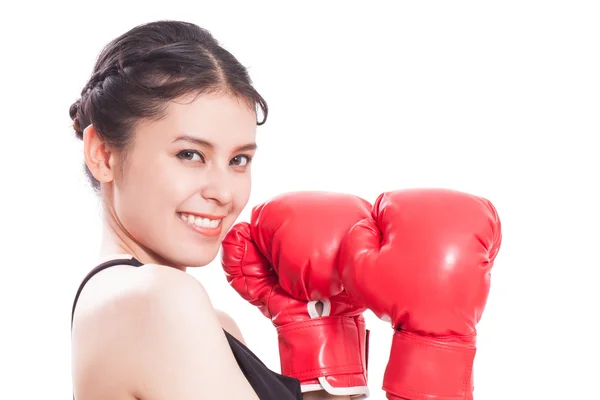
x=113 y=307
x=122 y=289
x=137 y=326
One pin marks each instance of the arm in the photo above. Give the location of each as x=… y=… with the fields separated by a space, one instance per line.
x=159 y=338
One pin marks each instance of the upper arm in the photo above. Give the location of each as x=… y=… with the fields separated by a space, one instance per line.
x=160 y=339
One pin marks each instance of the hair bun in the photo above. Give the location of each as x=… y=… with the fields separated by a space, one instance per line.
x=74 y=113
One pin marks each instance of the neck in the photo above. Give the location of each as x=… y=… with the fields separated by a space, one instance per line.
x=117 y=242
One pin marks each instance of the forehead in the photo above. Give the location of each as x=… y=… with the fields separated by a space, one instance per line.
x=221 y=119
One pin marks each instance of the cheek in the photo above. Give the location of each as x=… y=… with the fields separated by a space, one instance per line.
x=155 y=183
x=239 y=200
x=146 y=199
x=241 y=194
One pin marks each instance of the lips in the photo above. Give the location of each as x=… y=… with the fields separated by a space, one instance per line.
x=204 y=224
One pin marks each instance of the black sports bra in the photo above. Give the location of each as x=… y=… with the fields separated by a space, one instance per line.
x=267 y=384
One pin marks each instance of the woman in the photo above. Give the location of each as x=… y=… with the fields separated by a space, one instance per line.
x=168 y=120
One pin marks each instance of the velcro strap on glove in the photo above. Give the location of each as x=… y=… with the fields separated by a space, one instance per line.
x=323 y=346
x=422 y=367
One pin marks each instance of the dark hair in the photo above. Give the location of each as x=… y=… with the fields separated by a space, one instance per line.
x=139 y=72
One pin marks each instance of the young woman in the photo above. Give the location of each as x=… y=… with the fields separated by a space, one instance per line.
x=168 y=121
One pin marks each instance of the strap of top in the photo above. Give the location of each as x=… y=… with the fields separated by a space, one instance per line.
x=111 y=263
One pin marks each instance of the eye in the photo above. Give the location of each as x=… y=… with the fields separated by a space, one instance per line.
x=240 y=160
x=190 y=155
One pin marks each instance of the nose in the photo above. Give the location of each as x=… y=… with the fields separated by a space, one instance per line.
x=218 y=186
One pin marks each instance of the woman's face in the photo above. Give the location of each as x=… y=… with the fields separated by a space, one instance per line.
x=185 y=179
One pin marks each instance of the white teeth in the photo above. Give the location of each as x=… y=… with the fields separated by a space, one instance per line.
x=203 y=222
x=200 y=221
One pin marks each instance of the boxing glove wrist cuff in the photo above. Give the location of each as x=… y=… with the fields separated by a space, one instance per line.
x=329 y=349
x=430 y=368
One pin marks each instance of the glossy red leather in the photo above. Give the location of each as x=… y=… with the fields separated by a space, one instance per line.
x=423 y=262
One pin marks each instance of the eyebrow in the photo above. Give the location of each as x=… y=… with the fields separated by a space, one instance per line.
x=205 y=143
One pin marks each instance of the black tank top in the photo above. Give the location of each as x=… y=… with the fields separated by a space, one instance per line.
x=267 y=384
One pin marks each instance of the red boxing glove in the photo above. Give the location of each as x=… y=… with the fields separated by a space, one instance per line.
x=423 y=262
x=286 y=261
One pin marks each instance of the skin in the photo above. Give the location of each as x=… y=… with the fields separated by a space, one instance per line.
x=165 y=338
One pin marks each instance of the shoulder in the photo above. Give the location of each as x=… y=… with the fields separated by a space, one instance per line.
x=137 y=313
x=121 y=289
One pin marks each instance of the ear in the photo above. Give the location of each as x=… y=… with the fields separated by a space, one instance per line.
x=97 y=155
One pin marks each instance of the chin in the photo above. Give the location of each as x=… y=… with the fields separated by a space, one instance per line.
x=196 y=247
x=199 y=263
x=198 y=256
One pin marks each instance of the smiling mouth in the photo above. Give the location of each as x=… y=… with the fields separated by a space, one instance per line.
x=206 y=226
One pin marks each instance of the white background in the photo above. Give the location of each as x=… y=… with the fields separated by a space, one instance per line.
x=500 y=99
